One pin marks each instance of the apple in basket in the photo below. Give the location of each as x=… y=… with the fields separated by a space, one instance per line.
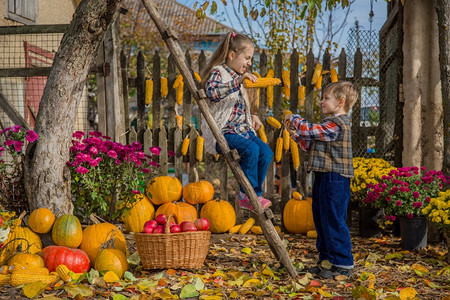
x=161 y=219
x=159 y=229
x=187 y=226
x=149 y=226
x=201 y=224
x=175 y=228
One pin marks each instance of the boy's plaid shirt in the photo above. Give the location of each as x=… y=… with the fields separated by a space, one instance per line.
x=217 y=90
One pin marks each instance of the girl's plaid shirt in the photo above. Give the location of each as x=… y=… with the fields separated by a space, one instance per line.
x=326 y=131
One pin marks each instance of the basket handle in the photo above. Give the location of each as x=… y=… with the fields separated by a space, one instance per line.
x=167 y=226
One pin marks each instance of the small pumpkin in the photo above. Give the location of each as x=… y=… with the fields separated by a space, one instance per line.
x=221 y=215
x=76 y=260
x=141 y=212
x=27 y=260
x=198 y=192
x=41 y=220
x=181 y=211
x=67 y=231
x=164 y=189
x=297 y=215
x=111 y=260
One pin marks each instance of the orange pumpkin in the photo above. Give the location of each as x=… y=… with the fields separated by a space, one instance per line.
x=297 y=215
x=111 y=260
x=28 y=260
x=67 y=231
x=198 y=192
x=94 y=236
x=164 y=189
x=221 y=215
x=181 y=211
x=41 y=220
x=141 y=212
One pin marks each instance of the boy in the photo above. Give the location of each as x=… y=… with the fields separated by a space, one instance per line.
x=331 y=161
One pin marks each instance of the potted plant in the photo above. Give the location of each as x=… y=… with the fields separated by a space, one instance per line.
x=403 y=193
x=367 y=172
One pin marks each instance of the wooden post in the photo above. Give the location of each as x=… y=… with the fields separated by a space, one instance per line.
x=140 y=97
x=126 y=113
x=156 y=98
x=356 y=111
x=264 y=217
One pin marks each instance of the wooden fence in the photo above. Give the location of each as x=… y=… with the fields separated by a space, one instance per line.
x=169 y=136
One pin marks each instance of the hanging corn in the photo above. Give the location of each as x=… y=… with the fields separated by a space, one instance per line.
x=295 y=154
x=301 y=95
x=262 y=134
x=273 y=122
x=164 y=87
x=269 y=90
x=270 y=73
x=319 y=83
x=197 y=77
x=286 y=138
x=279 y=149
x=256 y=74
x=178 y=81
x=185 y=146
x=199 y=149
x=148 y=91
x=317 y=73
x=179 y=93
x=261 y=82
x=286 y=83
x=179 y=120
x=334 y=75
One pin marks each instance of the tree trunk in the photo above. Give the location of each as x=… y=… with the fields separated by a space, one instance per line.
x=443 y=16
x=47 y=181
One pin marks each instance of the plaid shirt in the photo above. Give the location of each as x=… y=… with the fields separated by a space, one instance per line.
x=217 y=90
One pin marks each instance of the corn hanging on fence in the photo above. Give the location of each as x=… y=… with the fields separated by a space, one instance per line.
x=179 y=120
x=334 y=75
x=273 y=122
x=301 y=95
x=286 y=140
x=185 y=146
x=295 y=154
x=269 y=90
x=286 y=83
x=319 y=82
x=262 y=134
x=317 y=73
x=199 y=149
x=247 y=226
x=148 y=91
x=197 y=77
x=261 y=82
x=178 y=81
x=164 y=87
x=279 y=149
x=179 y=93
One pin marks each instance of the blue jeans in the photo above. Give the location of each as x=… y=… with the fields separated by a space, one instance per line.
x=256 y=157
x=331 y=194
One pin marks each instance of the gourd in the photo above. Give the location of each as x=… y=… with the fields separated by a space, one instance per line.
x=67 y=231
x=76 y=260
x=297 y=215
x=142 y=211
x=27 y=260
x=111 y=260
x=63 y=273
x=181 y=211
x=200 y=191
x=163 y=189
x=221 y=215
x=94 y=236
x=41 y=220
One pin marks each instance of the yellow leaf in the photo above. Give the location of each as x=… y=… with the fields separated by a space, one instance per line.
x=247 y=250
x=110 y=276
x=171 y=272
x=251 y=283
x=78 y=289
x=420 y=268
x=233 y=295
x=404 y=268
x=211 y=298
x=268 y=271
x=33 y=289
x=235 y=274
x=407 y=293
x=324 y=293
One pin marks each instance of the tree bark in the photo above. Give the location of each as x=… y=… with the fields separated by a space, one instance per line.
x=443 y=16
x=47 y=181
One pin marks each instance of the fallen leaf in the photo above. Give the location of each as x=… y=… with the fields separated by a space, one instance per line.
x=171 y=272
x=407 y=293
x=431 y=284
x=419 y=269
x=33 y=289
x=129 y=276
x=120 y=297
x=110 y=276
x=233 y=295
x=188 y=291
x=251 y=283
x=134 y=259
x=246 y=250
x=314 y=283
x=78 y=289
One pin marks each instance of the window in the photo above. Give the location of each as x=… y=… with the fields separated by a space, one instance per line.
x=23 y=11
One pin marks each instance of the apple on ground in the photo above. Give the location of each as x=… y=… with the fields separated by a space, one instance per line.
x=201 y=224
x=187 y=226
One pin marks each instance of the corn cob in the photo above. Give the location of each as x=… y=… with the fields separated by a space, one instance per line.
x=257 y=74
x=185 y=146
x=297 y=196
x=287 y=112
x=179 y=93
x=295 y=154
x=18 y=279
x=270 y=73
x=286 y=83
x=256 y=230
x=164 y=88
x=286 y=139
x=178 y=81
x=319 y=83
x=4 y=279
x=63 y=273
x=301 y=93
x=37 y=271
x=148 y=91
x=278 y=149
x=334 y=75
x=199 y=79
x=269 y=92
x=273 y=122
x=179 y=120
x=317 y=73
x=261 y=82
x=247 y=225
x=199 y=150
x=257 y=97
x=235 y=229
x=262 y=134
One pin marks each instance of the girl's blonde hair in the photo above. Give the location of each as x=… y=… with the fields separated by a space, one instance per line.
x=231 y=42
x=343 y=89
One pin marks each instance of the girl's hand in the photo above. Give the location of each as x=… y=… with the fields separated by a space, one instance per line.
x=250 y=76
x=256 y=122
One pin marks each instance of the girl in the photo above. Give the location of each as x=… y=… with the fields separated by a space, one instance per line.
x=230 y=107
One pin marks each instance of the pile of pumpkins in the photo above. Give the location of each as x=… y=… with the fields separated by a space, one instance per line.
x=74 y=251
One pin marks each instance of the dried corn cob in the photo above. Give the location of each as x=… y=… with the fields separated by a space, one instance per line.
x=148 y=91
x=317 y=73
x=334 y=75
x=199 y=150
x=164 y=87
x=256 y=230
x=295 y=154
x=301 y=93
x=261 y=82
x=286 y=83
x=4 y=279
x=269 y=92
x=262 y=134
x=287 y=112
x=257 y=74
x=235 y=229
x=286 y=140
x=18 y=279
x=270 y=73
x=197 y=77
x=37 y=271
x=185 y=146
x=278 y=149
x=179 y=93
x=63 y=273
x=178 y=81
x=247 y=226
x=273 y=122
x=319 y=82
x=179 y=120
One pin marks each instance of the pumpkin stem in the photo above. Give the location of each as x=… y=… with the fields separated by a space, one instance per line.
x=96 y=219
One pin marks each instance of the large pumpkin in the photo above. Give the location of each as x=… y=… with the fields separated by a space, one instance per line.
x=198 y=192
x=94 y=236
x=164 y=189
x=297 y=215
x=141 y=212
x=221 y=215
x=67 y=231
x=181 y=211
x=111 y=260
x=29 y=261
x=41 y=220
x=75 y=259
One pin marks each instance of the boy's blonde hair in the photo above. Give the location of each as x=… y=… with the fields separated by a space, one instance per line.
x=343 y=89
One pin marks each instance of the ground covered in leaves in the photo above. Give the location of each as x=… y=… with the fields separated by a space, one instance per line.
x=243 y=267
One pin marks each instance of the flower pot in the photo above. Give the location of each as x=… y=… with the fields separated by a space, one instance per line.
x=368 y=222
x=434 y=235
x=413 y=232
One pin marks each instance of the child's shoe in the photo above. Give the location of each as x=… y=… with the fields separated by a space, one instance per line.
x=244 y=202
x=335 y=271
x=265 y=202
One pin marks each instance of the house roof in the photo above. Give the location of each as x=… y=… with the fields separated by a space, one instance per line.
x=179 y=17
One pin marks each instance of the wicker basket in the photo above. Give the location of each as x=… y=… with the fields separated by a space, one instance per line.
x=184 y=250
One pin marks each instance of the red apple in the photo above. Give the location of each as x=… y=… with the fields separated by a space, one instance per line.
x=175 y=228
x=159 y=229
x=201 y=224
x=161 y=219
x=187 y=226
x=151 y=223
x=147 y=229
